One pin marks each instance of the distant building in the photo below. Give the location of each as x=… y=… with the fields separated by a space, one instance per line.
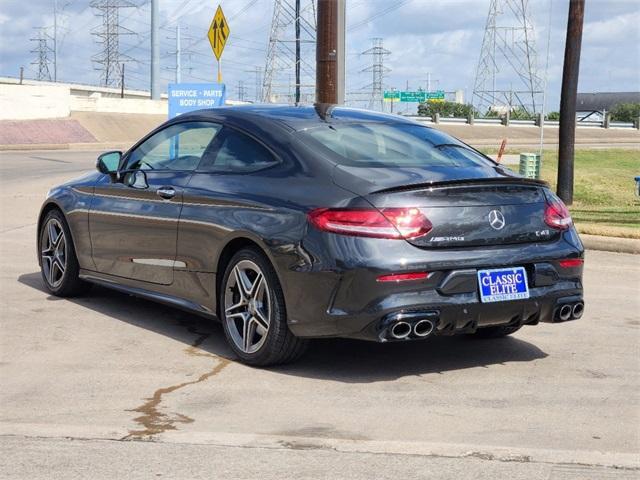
x=597 y=103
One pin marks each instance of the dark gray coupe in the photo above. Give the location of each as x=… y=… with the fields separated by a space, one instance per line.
x=289 y=223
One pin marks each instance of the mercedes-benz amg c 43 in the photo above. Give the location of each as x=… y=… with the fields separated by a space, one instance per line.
x=291 y=223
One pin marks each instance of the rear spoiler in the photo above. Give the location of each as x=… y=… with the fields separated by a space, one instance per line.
x=470 y=181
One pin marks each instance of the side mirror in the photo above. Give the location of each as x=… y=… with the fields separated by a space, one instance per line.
x=108 y=162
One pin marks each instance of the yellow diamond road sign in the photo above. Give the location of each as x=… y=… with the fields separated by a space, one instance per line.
x=218 y=33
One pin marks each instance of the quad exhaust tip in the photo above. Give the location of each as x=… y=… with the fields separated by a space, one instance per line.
x=570 y=311
x=423 y=328
x=565 y=313
x=577 y=310
x=400 y=330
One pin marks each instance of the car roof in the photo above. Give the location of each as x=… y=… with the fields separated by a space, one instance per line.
x=297 y=117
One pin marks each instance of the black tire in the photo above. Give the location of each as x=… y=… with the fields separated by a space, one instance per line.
x=280 y=345
x=68 y=284
x=496 y=332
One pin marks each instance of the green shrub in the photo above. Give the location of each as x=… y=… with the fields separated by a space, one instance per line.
x=444 y=108
x=625 y=112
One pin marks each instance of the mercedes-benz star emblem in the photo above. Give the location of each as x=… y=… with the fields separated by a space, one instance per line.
x=496 y=220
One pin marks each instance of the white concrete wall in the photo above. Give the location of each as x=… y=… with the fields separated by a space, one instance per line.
x=83 y=90
x=96 y=102
x=47 y=100
x=26 y=102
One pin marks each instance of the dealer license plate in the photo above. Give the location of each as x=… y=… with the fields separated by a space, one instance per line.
x=500 y=284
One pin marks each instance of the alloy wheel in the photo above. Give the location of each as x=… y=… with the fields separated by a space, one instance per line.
x=54 y=252
x=247 y=306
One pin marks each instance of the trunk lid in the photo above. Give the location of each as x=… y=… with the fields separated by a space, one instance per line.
x=467 y=207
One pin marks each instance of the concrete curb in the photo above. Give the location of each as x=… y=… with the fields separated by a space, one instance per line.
x=611 y=244
x=618 y=460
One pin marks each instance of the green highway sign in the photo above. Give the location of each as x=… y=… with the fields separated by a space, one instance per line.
x=418 y=96
x=413 y=97
x=437 y=95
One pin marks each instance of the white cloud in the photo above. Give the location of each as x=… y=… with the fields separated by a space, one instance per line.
x=442 y=37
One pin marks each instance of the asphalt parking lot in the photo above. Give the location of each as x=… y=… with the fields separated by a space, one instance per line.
x=108 y=386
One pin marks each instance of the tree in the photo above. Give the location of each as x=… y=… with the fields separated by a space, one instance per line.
x=625 y=112
x=444 y=108
x=553 y=116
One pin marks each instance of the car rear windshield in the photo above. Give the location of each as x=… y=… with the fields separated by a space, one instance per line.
x=392 y=145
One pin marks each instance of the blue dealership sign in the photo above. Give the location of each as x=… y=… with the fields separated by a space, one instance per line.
x=187 y=97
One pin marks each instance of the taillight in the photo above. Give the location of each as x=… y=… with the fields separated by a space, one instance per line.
x=571 y=262
x=556 y=215
x=403 y=277
x=383 y=223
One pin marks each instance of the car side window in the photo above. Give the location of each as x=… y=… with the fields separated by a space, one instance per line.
x=179 y=147
x=237 y=153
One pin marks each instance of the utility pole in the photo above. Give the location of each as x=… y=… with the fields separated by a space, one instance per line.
x=122 y=82
x=180 y=52
x=330 y=52
x=178 y=55
x=571 y=69
x=55 y=40
x=155 y=51
x=326 y=46
x=341 y=52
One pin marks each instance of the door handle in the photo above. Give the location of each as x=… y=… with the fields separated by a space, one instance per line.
x=166 y=192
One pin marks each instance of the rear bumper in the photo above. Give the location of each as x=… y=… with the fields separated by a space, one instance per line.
x=468 y=317
x=337 y=295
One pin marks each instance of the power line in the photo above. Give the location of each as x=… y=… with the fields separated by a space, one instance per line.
x=364 y=22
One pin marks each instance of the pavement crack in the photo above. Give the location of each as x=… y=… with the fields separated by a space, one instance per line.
x=56 y=160
x=17 y=228
x=153 y=421
x=310 y=446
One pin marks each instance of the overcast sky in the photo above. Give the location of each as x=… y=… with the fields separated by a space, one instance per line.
x=443 y=37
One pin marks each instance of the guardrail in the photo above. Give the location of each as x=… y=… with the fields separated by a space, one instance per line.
x=606 y=123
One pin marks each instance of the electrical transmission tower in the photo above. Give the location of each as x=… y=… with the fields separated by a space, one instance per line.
x=110 y=60
x=378 y=70
x=507 y=76
x=42 y=52
x=292 y=45
x=258 y=82
x=242 y=90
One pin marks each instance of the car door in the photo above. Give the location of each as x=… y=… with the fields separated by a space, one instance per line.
x=224 y=194
x=133 y=220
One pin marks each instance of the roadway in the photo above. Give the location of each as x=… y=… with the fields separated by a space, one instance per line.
x=108 y=385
